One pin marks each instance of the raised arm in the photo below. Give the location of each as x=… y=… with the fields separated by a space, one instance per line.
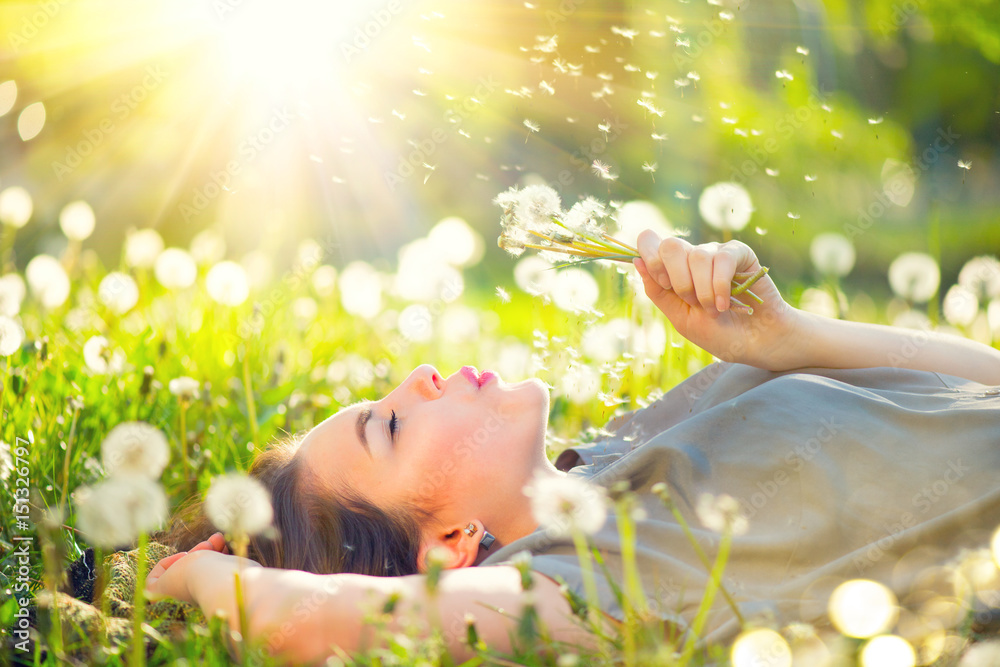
x=301 y=616
x=691 y=284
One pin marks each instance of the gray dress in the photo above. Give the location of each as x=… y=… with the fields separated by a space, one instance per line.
x=879 y=473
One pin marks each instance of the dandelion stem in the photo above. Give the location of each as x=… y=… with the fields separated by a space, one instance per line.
x=184 y=444
x=138 y=657
x=617 y=242
x=248 y=389
x=634 y=599
x=714 y=584
x=66 y=459
x=589 y=583
x=744 y=286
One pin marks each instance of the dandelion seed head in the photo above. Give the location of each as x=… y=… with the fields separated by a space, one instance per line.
x=184 y=387
x=12 y=293
x=100 y=358
x=980 y=275
x=725 y=206
x=142 y=247
x=227 y=283
x=832 y=254
x=914 y=276
x=208 y=247
x=238 y=505
x=15 y=207
x=77 y=220
x=114 y=512
x=574 y=290
x=717 y=513
x=960 y=306
x=11 y=336
x=48 y=281
x=175 y=269
x=119 y=292
x=562 y=504
x=135 y=448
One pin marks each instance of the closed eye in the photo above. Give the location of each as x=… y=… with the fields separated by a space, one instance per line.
x=393 y=426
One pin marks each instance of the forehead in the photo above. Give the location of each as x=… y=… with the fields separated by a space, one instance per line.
x=332 y=449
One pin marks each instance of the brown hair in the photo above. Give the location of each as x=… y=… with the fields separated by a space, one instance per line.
x=316 y=529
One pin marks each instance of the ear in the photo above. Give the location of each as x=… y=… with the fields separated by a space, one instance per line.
x=458 y=548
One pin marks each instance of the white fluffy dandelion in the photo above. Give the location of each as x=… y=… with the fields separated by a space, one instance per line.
x=227 y=283
x=562 y=504
x=533 y=275
x=208 y=247
x=575 y=290
x=135 y=448
x=720 y=512
x=832 y=254
x=142 y=248
x=238 y=505
x=456 y=242
x=960 y=306
x=184 y=387
x=914 y=276
x=119 y=292
x=114 y=512
x=11 y=336
x=6 y=461
x=726 y=206
x=175 y=269
x=77 y=220
x=15 y=207
x=536 y=205
x=981 y=276
x=100 y=358
x=48 y=281
x=12 y=293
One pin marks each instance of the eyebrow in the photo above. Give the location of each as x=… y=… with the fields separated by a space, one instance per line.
x=360 y=425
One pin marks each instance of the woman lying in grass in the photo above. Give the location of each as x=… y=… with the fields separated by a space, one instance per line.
x=846 y=446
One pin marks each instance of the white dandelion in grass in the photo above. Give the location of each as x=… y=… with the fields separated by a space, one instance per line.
x=227 y=283
x=48 y=281
x=888 y=651
x=11 y=336
x=832 y=254
x=726 y=206
x=185 y=388
x=361 y=290
x=175 y=269
x=914 y=276
x=15 y=207
x=960 y=306
x=6 y=461
x=135 y=448
x=761 y=646
x=575 y=290
x=534 y=275
x=455 y=242
x=119 y=292
x=12 y=293
x=502 y=294
x=981 y=276
x=862 y=608
x=142 y=247
x=113 y=513
x=208 y=247
x=77 y=220
x=561 y=505
x=100 y=358
x=324 y=280
x=720 y=513
x=238 y=505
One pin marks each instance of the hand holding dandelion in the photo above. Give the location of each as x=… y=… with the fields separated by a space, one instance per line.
x=533 y=218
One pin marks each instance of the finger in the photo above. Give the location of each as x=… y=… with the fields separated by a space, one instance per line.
x=700 y=261
x=723 y=270
x=218 y=542
x=673 y=253
x=162 y=567
x=648 y=244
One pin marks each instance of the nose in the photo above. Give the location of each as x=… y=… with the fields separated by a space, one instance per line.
x=425 y=381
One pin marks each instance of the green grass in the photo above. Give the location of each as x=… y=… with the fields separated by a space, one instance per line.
x=63 y=410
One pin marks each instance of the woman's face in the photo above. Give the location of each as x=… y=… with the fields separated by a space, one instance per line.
x=456 y=442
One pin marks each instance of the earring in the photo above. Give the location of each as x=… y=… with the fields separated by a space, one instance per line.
x=487 y=540
x=471 y=529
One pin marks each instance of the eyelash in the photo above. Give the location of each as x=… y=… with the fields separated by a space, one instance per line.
x=393 y=425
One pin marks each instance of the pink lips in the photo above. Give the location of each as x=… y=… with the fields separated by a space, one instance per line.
x=477 y=378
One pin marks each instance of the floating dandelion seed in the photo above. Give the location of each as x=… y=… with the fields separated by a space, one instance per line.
x=624 y=32
x=532 y=127
x=760 y=231
x=650 y=168
x=658 y=137
x=680 y=195
x=694 y=76
x=794 y=216
x=602 y=170
x=784 y=74
x=399 y=114
x=771 y=172
x=502 y=294
x=810 y=178
x=836 y=134
x=547 y=87
x=803 y=50
x=876 y=121
x=605 y=128
x=965 y=165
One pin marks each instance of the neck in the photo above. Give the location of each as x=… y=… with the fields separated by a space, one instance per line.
x=517 y=520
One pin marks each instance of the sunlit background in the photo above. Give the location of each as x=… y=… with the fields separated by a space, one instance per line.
x=365 y=123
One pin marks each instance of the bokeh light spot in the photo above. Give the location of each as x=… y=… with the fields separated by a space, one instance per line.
x=863 y=608
x=31 y=121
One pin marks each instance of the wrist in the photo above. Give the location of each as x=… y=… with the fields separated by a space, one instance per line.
x=791 y=341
